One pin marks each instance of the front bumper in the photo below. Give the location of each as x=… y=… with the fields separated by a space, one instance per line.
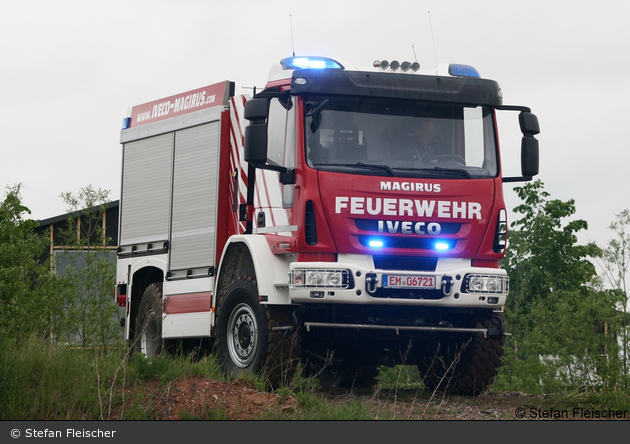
x=453 y=283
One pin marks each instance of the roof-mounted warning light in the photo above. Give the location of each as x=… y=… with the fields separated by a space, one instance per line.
x=310 y=63
x=457 y=70
x=394 y=65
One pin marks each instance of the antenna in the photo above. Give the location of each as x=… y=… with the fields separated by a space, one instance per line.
x=414 y=52
x=433 y=40
x=292 y=42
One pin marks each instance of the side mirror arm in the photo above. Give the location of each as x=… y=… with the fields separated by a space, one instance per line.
x=529 y=145
x=287 y=176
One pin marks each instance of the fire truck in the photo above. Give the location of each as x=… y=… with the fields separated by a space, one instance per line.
x=338 y=220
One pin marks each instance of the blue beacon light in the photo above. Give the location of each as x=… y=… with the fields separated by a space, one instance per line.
x=458 y=70
x=310 y=63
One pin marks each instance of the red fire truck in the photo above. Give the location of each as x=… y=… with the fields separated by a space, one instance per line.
x=341 y=219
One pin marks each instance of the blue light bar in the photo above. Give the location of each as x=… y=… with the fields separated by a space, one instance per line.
x=457 y=70
x=442 y=246
x=376 y=243
x=310 y=63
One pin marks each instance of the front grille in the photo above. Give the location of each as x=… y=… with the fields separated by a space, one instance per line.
x=372 y=225
x=407 y=294
x=405 y=263
x=405 y=242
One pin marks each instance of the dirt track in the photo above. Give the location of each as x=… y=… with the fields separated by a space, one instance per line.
x=196 y=398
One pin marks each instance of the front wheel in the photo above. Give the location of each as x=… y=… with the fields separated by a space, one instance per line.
x=241 y=329
x=465 y=367
x=257 y=338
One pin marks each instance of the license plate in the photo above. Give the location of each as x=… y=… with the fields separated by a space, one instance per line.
x=402 y=281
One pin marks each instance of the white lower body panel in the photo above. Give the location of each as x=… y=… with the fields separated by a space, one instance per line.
x=186 y=325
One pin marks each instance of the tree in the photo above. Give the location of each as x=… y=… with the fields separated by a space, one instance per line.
x=554 y=311
x=29 y=292
x=542 y=256
x=615 y=263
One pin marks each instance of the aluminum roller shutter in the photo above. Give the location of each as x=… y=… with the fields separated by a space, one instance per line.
x=195 y=184
x=146 y=190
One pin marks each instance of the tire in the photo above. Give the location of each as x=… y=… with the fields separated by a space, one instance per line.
x=465 y=367
x=148 y=325
x=246 y=338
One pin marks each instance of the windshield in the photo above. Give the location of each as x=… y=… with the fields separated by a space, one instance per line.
x=410 y=139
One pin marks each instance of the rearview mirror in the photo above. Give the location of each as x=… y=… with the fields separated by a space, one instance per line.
x=529 y=144
x=255 y=149
x=529 y=123
x=257 y=112
x=256 y=109
x=529 y=156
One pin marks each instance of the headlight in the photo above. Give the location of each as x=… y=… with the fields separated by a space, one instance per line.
x=486 y=284
x=319 y=278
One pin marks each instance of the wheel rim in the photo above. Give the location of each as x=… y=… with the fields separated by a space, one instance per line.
x=242 y=335
x=148 y=338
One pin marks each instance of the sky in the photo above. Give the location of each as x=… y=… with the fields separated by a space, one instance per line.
x=70 y=70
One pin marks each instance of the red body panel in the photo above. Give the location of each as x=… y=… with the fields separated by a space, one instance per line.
x=188 y=303
x=387 y=208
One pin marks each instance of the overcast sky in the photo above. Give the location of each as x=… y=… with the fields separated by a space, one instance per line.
x=71 y=70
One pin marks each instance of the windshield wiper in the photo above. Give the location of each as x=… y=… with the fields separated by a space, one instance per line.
x=379 y=167
x=385 y=168
x=317 y=109
x=449 y=172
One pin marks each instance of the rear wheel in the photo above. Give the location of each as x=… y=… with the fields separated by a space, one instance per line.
x=148 y=325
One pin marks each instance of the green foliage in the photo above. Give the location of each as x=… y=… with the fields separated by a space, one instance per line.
x=400 y=377
x=29 y=293
x=543 y=256
x=559 y=319
x=74 y=307
x=316 y=407
x=615 y=263
x=166 y=367
x=43 y=381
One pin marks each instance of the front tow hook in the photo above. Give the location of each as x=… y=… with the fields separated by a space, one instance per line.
x=447 y=285
x=371 y=281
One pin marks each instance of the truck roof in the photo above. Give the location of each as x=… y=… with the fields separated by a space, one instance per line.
x=451 y=83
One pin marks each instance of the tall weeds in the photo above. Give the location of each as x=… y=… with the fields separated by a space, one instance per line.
x=41 y=381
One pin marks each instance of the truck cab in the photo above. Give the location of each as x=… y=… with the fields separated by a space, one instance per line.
x=390 y=187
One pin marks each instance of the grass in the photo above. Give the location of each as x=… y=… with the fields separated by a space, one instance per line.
x=42 y=382
x=39 y=381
